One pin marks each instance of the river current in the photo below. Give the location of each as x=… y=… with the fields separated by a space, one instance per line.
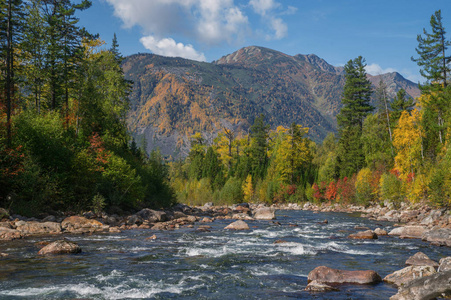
x=220 y=264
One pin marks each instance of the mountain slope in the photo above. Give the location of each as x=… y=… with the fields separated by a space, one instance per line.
x=173 y=97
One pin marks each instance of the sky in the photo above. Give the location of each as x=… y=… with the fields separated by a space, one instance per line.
x=384 y=32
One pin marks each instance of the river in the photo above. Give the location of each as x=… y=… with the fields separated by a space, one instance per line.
x=219 y=264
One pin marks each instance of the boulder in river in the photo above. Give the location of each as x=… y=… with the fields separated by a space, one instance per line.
x=60 y=247
x=76 y=224
x=421 y=259
x=380 y=232
x=316 y=286
x=151 y=215
x=241 y=216
x=238 y=225
x=445 y=264
x=8 y=234
x=428 y=287
x=265 y=213
x=413 y=232
x=403 y=276
x=440 y=237
x=325 y=274
x=33 y=227
x=364 y=235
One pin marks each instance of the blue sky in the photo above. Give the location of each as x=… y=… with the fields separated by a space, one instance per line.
x=383 y=32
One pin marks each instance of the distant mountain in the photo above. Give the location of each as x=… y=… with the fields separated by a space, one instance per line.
x=173 y=97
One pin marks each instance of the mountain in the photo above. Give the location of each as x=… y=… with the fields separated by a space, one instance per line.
x=173 y=98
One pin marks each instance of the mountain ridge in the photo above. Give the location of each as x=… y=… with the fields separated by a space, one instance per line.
x=174 y=97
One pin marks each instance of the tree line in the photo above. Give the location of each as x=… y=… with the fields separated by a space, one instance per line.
x=64 y=143
x=398 y=151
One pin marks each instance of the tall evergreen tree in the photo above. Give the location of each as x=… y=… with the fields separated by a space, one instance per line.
x=10 y=31
x=432 y=52
x=115 y=50
x=401 y=102
x=356 y=106
x=435 y=67
x=258 y=148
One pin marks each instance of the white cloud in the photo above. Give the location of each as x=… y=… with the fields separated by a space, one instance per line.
x=168 y=47
x=266 y=9
x=261 y=7
x=200 y=22
x=208 y=21
x=375 y=69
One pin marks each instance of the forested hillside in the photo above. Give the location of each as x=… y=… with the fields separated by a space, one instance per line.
x=173 y=97
x=64 y=145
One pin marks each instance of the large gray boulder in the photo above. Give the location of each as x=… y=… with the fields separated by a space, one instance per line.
x=60 y=247
x=404 y=276
x=265 y=213
x=440 y=236
x=238 y=225
x=445 y=264
x=325 y=274
x=426 y=288
x=421 y=259
x=412 y=232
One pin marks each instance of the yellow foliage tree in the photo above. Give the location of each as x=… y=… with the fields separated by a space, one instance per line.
x=407 y=139
x=292 y=153
x=248 y=189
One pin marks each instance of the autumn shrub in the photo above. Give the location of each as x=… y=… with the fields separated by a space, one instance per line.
x=391 y=188
x=346 y=190
x=331 y=191
x=319 y=191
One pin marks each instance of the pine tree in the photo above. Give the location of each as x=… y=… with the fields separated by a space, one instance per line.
x=10 y=31
x=258 y=148
x=115 y=50
x=401 y=102
x=431 y=49
x=356 y=106
x=435 y=67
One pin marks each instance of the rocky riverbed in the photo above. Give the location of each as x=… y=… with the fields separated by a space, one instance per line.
x=432 y=226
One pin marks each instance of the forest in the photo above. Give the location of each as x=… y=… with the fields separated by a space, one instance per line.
x=398 y=151
x=64 y=144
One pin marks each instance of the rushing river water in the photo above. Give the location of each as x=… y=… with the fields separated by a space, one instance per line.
x=219 y=264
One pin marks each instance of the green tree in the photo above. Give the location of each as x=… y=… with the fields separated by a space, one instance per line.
x=258 y=148
x=401 y=102
x=432 y=52
x=356 y=106
x=435 y=67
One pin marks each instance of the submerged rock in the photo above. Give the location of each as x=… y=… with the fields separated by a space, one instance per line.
x=238 y=225
x=429 y=287
x=316 y=286
x=265 y=213
x=403 y=276
x=365 y=235
x=60 y=247
x=421 y=259
x=328 y=275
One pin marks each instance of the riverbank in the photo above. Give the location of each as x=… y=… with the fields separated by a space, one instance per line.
x=419 y=221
